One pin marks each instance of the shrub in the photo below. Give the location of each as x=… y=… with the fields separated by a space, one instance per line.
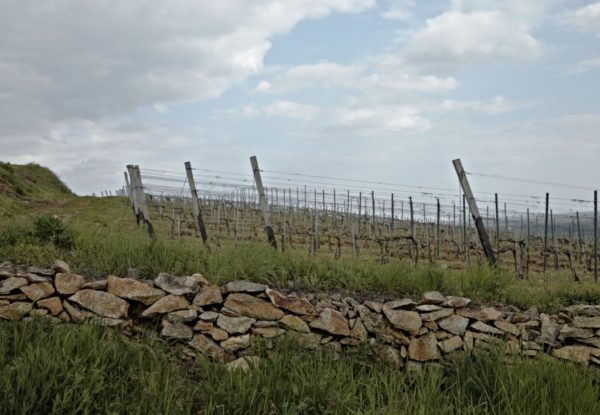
x=48 y=228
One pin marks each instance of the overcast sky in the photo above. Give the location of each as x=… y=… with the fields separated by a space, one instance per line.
x=387 y=90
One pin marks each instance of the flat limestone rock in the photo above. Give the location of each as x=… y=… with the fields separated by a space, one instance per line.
x=236 y=343
x=243 y=363
x=432 y=297
x=235 y=325
x=579 y=354
x=294 y=323
x=182 y=316
x=96 y=285
x=207 y=346
x=507 y=327
x=437 y=315
x=67 y=283
x=60 y=267
x=454 y=324
x=331 y=321
x=177 y=285
x=456 y=302
x=359 y=331
x=450 y=345
x=165 y=305
x=176 y=330
x=293 y=304
x=102 y=303
x=250 y=306
x=52 y=304
x=12 y=283
x=485 y=328
x=575 y=333
x=406 y=304
x=485 y=314
x=389 y=355
x=135 y=290
x=15 y=311
x=549 y=330
x=208 y=295
x=587 y=322
x=424 y=348
x=38 y=291
x=244 y=286
x=409 y=321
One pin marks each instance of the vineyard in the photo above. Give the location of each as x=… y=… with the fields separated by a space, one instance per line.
x=335 y=217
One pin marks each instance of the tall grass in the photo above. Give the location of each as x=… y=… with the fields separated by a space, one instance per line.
x=99 y=250
x=86 y=369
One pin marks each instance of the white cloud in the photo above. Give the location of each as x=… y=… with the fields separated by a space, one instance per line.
x=471 y=37
x=583 y=66
x=586 y=18
x=383 y=72
x=376 y=120
x=493 y=106
x=399 y=10
x=104 y=58
x=281 y=108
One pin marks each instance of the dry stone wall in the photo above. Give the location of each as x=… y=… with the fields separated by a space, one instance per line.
x=222 y=321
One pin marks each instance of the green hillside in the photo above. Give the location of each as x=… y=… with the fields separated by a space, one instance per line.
x=31 y=181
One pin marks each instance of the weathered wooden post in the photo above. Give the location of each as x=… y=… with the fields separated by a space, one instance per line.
x=483 y=237
x=263 y=202
x=195 y=202
x=497 y=225
x=595 y=235
x=412 y=218
x=437 y=231
x=546 y=233
x=137 y=189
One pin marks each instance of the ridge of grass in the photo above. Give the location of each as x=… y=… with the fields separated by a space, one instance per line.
x=88 y=369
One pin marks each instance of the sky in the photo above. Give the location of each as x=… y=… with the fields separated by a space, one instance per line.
x=385 y=90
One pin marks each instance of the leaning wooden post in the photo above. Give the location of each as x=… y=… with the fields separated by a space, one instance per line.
x=128 y=188
x=483 y=237
x=262 y=200
x=546 y=233
x=137 y=188
x=195 y=202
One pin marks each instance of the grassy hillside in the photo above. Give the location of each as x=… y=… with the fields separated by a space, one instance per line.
x=31 y=181
x=22 y=184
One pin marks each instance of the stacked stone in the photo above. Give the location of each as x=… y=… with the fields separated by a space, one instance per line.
x=222 y=322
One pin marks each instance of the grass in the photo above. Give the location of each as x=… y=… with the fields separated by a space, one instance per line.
x=88 y=369
x=101 y=248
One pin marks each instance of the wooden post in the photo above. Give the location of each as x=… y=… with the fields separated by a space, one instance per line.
x=595 y=235
x=263 y=202
x=579 y=241
x=483 y=237
x=546 y=233
x=392 y=218
x=195 y=202
x=373 y=210
x=412 y=218
x=505 y=219
x=497 y=225
x=137 y=189
x=437 y=231
x=128 y=188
